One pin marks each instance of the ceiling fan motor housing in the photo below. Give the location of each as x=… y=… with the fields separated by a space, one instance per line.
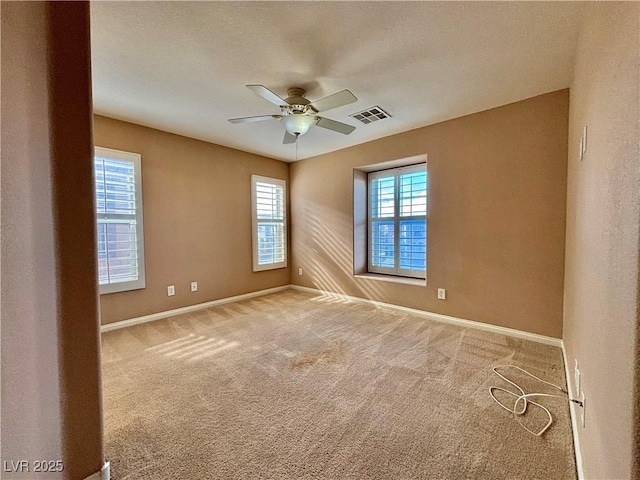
x=296 y=96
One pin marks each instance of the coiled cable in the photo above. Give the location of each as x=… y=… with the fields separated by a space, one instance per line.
x=524 y=398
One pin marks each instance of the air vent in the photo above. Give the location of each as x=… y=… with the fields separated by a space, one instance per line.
x=371 y=115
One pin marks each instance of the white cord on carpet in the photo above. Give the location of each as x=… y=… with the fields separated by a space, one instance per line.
x=524 y=397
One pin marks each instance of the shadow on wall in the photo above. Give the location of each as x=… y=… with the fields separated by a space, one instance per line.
x=328 y=256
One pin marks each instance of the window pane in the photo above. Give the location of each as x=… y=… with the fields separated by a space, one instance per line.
x=383 y=197
x=117 y=251
x=269 y=201
x=382 y=244
x=103 y=266
x=413 y=244
x=271 y=244
x=413 y=194
x=115 y=186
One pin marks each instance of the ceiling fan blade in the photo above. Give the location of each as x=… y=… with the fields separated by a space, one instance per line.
x=259 y=118
x=334 y=101
x=335 y=126
x=288 y=138
x=267 y=94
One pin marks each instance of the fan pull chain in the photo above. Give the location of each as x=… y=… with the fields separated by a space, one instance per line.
x=297 y=147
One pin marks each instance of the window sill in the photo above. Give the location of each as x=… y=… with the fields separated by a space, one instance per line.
x=119 y=287
x=418 y=282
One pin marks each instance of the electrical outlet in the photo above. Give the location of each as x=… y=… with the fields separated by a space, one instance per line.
x=171 y=290
x=194 y=286
x=583 y=399
x=576 y=376
x=584 y=141
x=442 y=294
x=300 y=271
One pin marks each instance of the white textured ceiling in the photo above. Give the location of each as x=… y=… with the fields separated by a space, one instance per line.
x=182 y=67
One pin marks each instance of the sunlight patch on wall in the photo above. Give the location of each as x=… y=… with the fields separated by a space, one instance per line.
x=328 y=255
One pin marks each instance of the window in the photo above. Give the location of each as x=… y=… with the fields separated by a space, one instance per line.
x=119 y=220
x=397 y=221
x=269 y=213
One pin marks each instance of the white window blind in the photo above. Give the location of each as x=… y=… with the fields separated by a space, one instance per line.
x=398 y=221
x=269 y=223
x=119 y=220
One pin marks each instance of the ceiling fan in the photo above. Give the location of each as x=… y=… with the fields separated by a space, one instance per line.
x=298 y=114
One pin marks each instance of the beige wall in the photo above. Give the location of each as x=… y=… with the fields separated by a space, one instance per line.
x=496 y=216
x=197 y=219
x=51 y=384
x=603 y=212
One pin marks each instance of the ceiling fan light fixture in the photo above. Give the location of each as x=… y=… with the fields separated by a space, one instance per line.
x=298 y=124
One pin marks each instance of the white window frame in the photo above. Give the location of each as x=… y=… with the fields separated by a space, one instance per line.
x=136 y=159
x=396 y=270
x=255 y=221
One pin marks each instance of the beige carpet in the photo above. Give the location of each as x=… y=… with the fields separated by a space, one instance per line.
x=296 y=386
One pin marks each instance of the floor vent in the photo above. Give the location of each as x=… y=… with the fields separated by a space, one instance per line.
x=370 y=115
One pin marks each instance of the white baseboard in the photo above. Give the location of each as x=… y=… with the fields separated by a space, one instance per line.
x=191 y=308
x=534 y=337
x=575 y=414
x=437 y=317
x=103 y=474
